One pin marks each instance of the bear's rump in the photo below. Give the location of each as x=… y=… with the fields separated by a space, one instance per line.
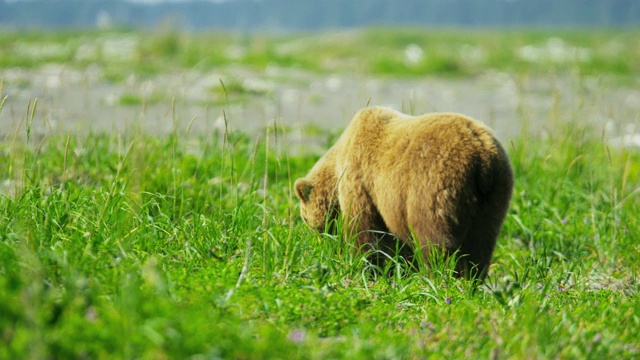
x=438 y=210
x=430 y=175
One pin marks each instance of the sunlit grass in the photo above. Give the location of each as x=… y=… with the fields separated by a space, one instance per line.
x=132 y=246
x=125 y=245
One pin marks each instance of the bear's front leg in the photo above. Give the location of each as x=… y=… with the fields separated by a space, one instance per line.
x=362 y=221
x=358 y=212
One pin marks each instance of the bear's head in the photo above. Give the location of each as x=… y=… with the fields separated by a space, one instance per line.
x=318 y=201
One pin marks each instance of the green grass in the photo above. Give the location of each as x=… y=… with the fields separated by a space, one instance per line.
x=379 y=51
x=130 y=246
x=126 y=246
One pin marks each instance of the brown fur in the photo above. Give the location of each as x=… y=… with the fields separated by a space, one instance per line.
x=442 y=178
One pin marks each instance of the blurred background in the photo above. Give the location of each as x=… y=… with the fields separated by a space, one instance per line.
x=200 y=66
x=288 y=15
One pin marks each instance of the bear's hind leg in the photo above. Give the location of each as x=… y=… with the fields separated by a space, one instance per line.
x=477 y=247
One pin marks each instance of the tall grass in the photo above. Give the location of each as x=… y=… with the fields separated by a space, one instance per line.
x=124 y=245
x=130 y=246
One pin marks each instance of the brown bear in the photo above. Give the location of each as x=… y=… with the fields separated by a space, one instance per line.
x=441 y=181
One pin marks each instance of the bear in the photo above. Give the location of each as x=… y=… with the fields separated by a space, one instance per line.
x=439 y=181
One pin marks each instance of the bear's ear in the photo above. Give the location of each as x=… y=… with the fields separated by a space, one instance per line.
x=303 y=189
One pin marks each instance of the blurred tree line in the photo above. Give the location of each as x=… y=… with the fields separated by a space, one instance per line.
x=288 y=15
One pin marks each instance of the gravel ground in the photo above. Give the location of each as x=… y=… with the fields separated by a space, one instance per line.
x=71 y=100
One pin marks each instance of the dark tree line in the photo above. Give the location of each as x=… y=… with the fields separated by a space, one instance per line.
x=321 y=14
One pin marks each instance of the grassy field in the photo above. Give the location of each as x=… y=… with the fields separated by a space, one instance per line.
x=383 y=51
x=131 y=246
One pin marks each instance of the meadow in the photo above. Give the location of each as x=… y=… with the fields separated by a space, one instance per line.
x=378 y=51
x=189 y=245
